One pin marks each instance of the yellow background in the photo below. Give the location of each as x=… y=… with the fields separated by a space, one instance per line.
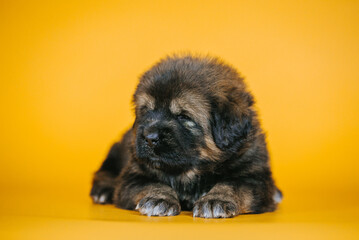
x=67 y=73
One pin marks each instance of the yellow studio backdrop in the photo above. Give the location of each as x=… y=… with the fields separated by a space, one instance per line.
x=67 y=73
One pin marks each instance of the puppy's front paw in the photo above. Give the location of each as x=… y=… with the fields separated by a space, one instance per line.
x=152 y=206
x=215 y=207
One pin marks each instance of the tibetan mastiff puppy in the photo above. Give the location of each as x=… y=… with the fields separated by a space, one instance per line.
x=196 y=144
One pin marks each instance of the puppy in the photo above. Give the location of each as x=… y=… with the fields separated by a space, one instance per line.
x=196 y=144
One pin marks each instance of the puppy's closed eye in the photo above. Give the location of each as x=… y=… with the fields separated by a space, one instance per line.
x=183 y=117
x=186 y=121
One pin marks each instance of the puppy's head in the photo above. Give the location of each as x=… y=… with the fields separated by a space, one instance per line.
x=190 y=112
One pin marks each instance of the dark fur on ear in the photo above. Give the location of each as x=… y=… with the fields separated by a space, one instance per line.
x=231 y=125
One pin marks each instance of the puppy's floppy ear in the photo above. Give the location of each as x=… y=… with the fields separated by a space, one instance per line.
x=230 y=125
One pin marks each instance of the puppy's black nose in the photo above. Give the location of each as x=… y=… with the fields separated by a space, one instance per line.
x=152 y=138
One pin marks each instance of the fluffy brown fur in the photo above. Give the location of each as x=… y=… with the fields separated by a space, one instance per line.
x=196 y=144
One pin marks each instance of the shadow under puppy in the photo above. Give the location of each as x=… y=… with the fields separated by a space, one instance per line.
x=196 y=144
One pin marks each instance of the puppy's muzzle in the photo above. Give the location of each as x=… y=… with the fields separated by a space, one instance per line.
x=157 y=131
x=151 y=134
x=152 y=138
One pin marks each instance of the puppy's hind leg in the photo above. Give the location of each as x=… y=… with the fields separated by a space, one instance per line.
x=102 y=187
x=104 y=179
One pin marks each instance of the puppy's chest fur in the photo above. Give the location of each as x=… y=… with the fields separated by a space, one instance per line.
x=189 y=187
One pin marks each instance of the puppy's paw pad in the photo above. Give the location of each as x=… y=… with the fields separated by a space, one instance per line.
x=158 y=207
x=101 y=195
x=214 y=209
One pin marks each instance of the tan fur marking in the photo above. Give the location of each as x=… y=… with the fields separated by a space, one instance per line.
x=211 y=151
x=174 y=107
x=145 y=100
x=245 y=200
x=194 y=105
x=188 y=176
